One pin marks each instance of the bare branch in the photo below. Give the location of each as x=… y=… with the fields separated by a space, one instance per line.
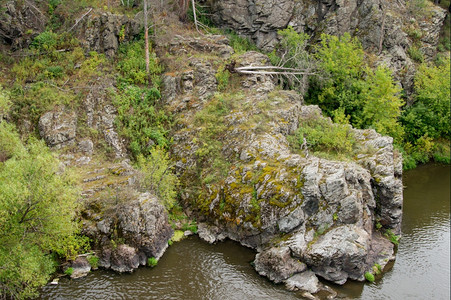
x=78 y=21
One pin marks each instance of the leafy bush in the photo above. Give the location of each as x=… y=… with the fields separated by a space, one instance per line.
x=93 y=261
x=381 y=104
x=324 y=136
x=369 y=277
x=222 y=77
x=157 y=176
x=341 y=64
x=38 y=206
x=416 y=54
x=5 y=103
x=240 y=44
x=45 y=41
x=139 y=120
x=69 y=271
x=152 y=261
x=132 y=64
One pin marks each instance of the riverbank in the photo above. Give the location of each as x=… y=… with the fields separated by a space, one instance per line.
x=191 y=268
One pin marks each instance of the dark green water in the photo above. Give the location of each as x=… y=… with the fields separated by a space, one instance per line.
x=192 y=269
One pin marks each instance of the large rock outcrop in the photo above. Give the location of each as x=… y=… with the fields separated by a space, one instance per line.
x=128 y=226
x=386 y=28
x=245 y=182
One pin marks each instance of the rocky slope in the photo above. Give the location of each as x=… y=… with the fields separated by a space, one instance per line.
x=388 y=29
x=299 y=211
x=240 y=175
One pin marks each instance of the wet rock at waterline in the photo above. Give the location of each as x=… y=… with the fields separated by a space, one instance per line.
x=131 y=233
x=80 y=267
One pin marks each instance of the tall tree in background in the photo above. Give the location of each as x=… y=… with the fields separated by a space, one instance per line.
x=146 y=36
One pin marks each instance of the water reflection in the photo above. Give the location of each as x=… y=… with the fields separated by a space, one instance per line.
x=193 y=269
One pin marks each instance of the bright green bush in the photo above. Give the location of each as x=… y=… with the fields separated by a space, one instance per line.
x=69 y=271
x=381 y=104
x=152 y=261
x=37 y=210
x=5 y=103
x=222 y=77
x=93 y=261
x=369 y=277
x=158 y=176
x=324 y=136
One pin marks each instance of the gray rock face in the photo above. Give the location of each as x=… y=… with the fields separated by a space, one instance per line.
x=305 y=281
x=17 y=20
x=133 y=232
x=101 y=113
x=102 y=32
x=277 y=264
x=339 y=254
x=58 y=127
x=382 y=26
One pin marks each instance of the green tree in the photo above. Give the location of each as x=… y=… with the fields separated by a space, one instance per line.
x=348 y=86
x=430 y=114
x=381 y=104
x=37 y=210
x=341 y=64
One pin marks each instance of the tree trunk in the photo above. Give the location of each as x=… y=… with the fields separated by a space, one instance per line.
x=146 y=36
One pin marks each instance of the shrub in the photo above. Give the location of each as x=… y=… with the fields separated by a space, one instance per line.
x=45 y=41
x=240 y=44
x=69 y=271
x=38 y=206
x=369 y=277
x=416 y=54
x=139 y=120
x=5 y=103
x=392 y=237
x=93 y=261
x=158 y=176
x=152 y=262
x=132 y=65
x=222 y=77
x=324 y=136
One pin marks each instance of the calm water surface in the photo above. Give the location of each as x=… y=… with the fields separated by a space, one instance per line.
x=192 y=269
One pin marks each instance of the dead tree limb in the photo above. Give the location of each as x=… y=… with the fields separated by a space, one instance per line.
x=78 y=21
x=194 y=15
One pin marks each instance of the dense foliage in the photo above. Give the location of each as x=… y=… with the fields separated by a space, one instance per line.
x=140 y=118
x=369 y=97
x=37 y=210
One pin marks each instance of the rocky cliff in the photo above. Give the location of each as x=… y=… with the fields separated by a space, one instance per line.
x=245 y=182
x=387 y=29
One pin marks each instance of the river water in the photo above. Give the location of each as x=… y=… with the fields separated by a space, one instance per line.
x=192 y=269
